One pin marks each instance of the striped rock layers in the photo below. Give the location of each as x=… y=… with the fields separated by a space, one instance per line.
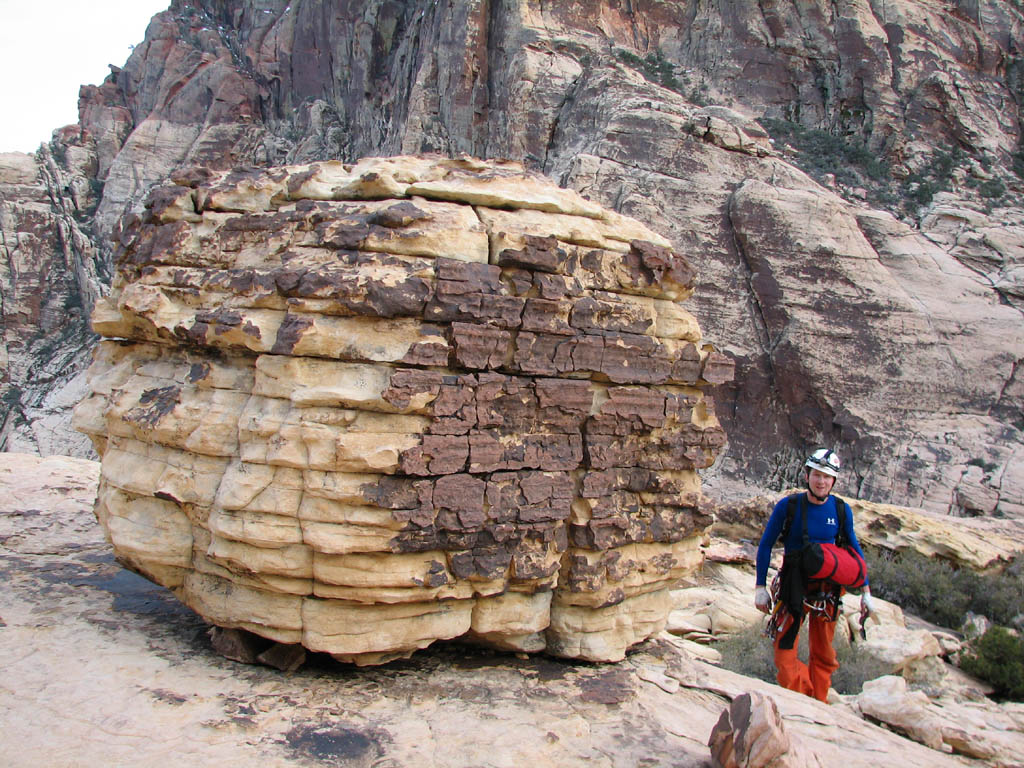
x=366 y=407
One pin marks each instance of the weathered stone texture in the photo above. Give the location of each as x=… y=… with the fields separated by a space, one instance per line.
x=100 y=637
x=50 y=273
x=366 y=407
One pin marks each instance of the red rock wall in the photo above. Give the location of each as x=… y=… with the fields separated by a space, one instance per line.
x=650 y=109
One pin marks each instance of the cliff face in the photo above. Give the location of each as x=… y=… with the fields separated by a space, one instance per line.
x=49 y=274
x=894 y=337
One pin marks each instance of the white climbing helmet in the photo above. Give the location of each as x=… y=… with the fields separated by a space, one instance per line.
x=825 y=461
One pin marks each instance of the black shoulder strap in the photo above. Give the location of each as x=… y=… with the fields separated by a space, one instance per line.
x=803 y=517
x=791 y=507
x=841 y=510
x=796 y=501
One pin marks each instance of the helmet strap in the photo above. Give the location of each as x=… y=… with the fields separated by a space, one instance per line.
x=815 y=496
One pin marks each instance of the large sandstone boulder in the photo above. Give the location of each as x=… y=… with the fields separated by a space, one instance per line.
x=364 y=408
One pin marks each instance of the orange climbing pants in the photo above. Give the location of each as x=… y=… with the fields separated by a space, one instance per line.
x=815 y=677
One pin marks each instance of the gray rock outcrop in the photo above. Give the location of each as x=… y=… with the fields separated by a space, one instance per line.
x=50 y=276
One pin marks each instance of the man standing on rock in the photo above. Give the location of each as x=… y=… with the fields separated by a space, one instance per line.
x=815 y=516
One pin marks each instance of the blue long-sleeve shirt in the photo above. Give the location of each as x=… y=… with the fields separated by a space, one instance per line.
x=822 y=527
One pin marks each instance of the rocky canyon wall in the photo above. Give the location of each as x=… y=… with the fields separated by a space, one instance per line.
x=51 y=274
x=889 y=330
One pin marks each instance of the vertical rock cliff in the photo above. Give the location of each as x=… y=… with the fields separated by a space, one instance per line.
x=842 y=174
x=51 y=273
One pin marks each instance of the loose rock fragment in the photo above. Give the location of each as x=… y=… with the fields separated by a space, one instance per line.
x=751 y=734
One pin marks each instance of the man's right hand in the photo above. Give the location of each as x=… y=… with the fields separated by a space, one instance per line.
x=762 y=600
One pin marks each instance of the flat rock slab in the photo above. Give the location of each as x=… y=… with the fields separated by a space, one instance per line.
x=102 y=667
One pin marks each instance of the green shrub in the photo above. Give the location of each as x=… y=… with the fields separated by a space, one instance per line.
x=654 y=67
x=993 y=189
x=997 y=657
x=660 y=69
x=819 y=152
x=630 y=58
x=750 y=653
x=937 y=176
x=938 y=592
x=1001 y=597
x=1018 y=162
x=986 y=466
x=922 y=193
x=856 y=668
x=919 y=585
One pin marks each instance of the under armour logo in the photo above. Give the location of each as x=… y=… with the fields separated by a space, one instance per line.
x=831 y=521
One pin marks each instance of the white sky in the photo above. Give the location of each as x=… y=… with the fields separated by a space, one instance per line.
x=48 y=48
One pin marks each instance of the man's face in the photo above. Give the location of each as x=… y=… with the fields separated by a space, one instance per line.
x=820 y=483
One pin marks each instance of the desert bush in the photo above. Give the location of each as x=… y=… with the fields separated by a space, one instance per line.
x=654 y=67
x=750 y=653
x=1018 y=162
x=920 y=585
x=853 y=164
x=922 y=192
x=939 y=592
x=855 y=668
x=997 y=657
x=819 y=152
x=993 y=188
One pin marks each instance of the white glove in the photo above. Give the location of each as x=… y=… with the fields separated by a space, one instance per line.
x=762 y=600
x=867 y=605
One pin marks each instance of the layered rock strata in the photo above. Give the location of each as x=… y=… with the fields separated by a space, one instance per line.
x=366 y=407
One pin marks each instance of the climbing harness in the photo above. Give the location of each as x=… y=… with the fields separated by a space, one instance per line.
x=825 y=603
x=822 y=601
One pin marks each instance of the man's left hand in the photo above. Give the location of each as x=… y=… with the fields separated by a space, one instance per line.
x=867 y=605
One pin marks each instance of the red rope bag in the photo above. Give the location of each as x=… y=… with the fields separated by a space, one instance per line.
x=829 y=562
